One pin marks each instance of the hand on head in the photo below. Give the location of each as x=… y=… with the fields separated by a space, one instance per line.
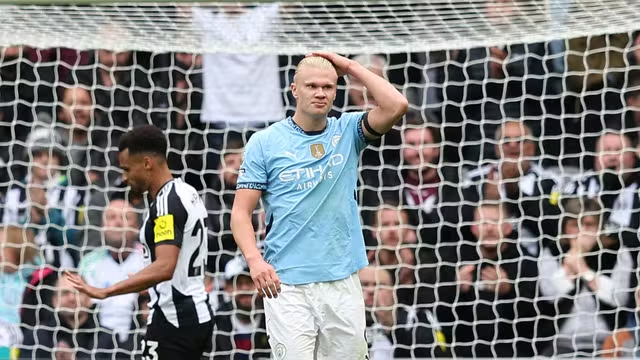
x=341 y=63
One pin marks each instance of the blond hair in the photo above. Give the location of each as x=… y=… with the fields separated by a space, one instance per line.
x=315 y=61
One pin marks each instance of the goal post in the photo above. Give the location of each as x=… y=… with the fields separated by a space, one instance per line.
x=567 y=69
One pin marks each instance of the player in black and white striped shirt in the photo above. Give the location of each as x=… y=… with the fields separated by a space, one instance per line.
x=173 y=235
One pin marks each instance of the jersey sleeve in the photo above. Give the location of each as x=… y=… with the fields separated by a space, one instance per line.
x=171 y=220
x=253 y=171
x=354 y=124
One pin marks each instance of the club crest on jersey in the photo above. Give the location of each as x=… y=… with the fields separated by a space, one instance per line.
x=317 y=150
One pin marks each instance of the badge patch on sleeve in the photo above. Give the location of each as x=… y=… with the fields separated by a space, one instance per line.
x=163 y=229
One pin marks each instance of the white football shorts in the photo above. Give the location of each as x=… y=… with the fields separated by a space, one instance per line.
x=318 y=321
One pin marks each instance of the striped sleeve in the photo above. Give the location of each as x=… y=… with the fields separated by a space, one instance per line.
x=171 y=218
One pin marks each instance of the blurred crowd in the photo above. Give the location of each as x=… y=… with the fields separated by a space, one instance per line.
x=501 y=215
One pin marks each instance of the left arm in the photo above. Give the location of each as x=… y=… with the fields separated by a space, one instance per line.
x=392 y=105
x=167 y=236
x=160 y=270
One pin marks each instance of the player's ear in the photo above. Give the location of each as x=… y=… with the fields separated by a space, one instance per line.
x=294 y=90
x=147 y=162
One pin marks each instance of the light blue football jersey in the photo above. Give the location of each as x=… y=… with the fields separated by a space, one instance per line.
x=308 y=183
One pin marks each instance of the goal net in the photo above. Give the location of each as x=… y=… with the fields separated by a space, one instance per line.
x=500 y=214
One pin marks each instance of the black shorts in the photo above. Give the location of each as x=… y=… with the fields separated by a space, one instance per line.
x=163 y=341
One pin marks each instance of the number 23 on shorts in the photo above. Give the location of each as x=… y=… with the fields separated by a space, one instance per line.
x=151 y=347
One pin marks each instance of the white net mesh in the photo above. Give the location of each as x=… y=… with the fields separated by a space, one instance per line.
x=565 y=73
x=344 y=26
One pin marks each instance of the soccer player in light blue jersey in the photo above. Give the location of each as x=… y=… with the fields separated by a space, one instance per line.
x=305 y=169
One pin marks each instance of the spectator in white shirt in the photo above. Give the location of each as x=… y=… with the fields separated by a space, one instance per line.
x=241 y=91
x=121 y=258
x=585 y=285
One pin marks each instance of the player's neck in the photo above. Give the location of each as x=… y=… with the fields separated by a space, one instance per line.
x=308 y=123
x=163 y=177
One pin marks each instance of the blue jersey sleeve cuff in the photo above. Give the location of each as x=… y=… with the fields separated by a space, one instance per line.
x=252 y=186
